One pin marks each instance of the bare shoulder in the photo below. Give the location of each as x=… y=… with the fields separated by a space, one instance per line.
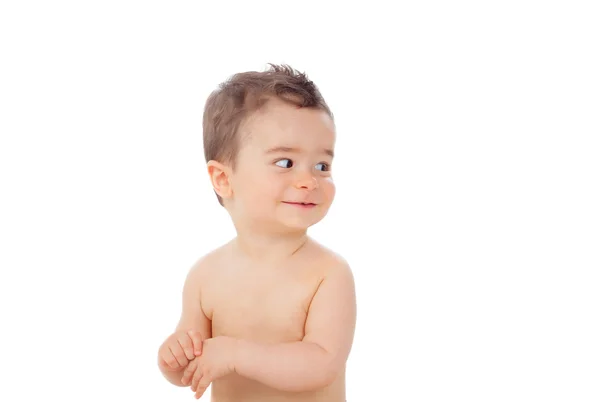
x=329 y=261
x=333 y=272
x=206 y=266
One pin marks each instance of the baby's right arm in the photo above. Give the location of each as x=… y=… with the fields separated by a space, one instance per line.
x=192 y=318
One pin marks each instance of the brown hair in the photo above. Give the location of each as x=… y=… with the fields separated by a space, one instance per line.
x=245 y=93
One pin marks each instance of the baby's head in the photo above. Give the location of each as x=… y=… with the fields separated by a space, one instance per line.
x=268 y=142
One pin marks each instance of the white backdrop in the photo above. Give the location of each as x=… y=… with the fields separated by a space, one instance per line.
x=467 y=171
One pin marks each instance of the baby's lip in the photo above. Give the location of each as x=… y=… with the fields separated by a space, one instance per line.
x=299 y=202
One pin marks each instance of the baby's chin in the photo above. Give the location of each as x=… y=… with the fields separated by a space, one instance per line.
x=295 y=223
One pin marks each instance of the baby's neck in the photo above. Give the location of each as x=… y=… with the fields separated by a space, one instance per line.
x=267 y=247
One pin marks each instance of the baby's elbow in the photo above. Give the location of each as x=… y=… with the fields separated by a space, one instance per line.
x=331 y=374
x=317 y=379
x=322 y=373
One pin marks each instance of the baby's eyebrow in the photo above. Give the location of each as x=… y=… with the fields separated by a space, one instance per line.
x=278 y=149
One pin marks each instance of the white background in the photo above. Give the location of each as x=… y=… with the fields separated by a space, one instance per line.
x=467 y=173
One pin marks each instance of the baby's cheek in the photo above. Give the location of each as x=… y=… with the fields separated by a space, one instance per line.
x=262 y=194
x=271 y=189
x=329 y=188
x=253 y=190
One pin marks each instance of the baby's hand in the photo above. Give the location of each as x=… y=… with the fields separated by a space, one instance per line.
x=217 y=360
x=179 y=349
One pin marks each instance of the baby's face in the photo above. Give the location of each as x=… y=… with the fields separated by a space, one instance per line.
x=283 y=169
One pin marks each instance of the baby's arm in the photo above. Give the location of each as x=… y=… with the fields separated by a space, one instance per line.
x=318 y=359
x=192 y=315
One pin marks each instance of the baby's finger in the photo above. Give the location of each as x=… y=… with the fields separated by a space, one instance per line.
x=200 y=392
x=188 y=348
x=179 y=355
x=169 y=361
x=197 y=378
x=188 y=372
x=196 y=338
x=202 y=386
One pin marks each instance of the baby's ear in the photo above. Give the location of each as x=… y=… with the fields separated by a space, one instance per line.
x=219 y=177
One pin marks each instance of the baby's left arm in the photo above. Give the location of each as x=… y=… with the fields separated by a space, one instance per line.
x=318 y=359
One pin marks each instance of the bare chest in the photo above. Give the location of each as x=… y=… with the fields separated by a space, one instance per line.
x=261 y=306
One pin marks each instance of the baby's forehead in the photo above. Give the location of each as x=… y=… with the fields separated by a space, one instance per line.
x=288 y=123
x=288 y=141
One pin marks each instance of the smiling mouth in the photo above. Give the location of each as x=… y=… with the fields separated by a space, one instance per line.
x=301 y=204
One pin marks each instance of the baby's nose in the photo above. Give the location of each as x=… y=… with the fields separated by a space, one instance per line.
x=308 y=182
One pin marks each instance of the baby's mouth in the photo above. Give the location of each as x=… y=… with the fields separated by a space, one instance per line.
x=300 y=204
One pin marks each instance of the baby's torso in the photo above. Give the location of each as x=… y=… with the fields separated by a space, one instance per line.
x=263 y=305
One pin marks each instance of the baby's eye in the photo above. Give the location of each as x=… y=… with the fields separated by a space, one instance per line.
x=285 y=163
x=323 y=167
